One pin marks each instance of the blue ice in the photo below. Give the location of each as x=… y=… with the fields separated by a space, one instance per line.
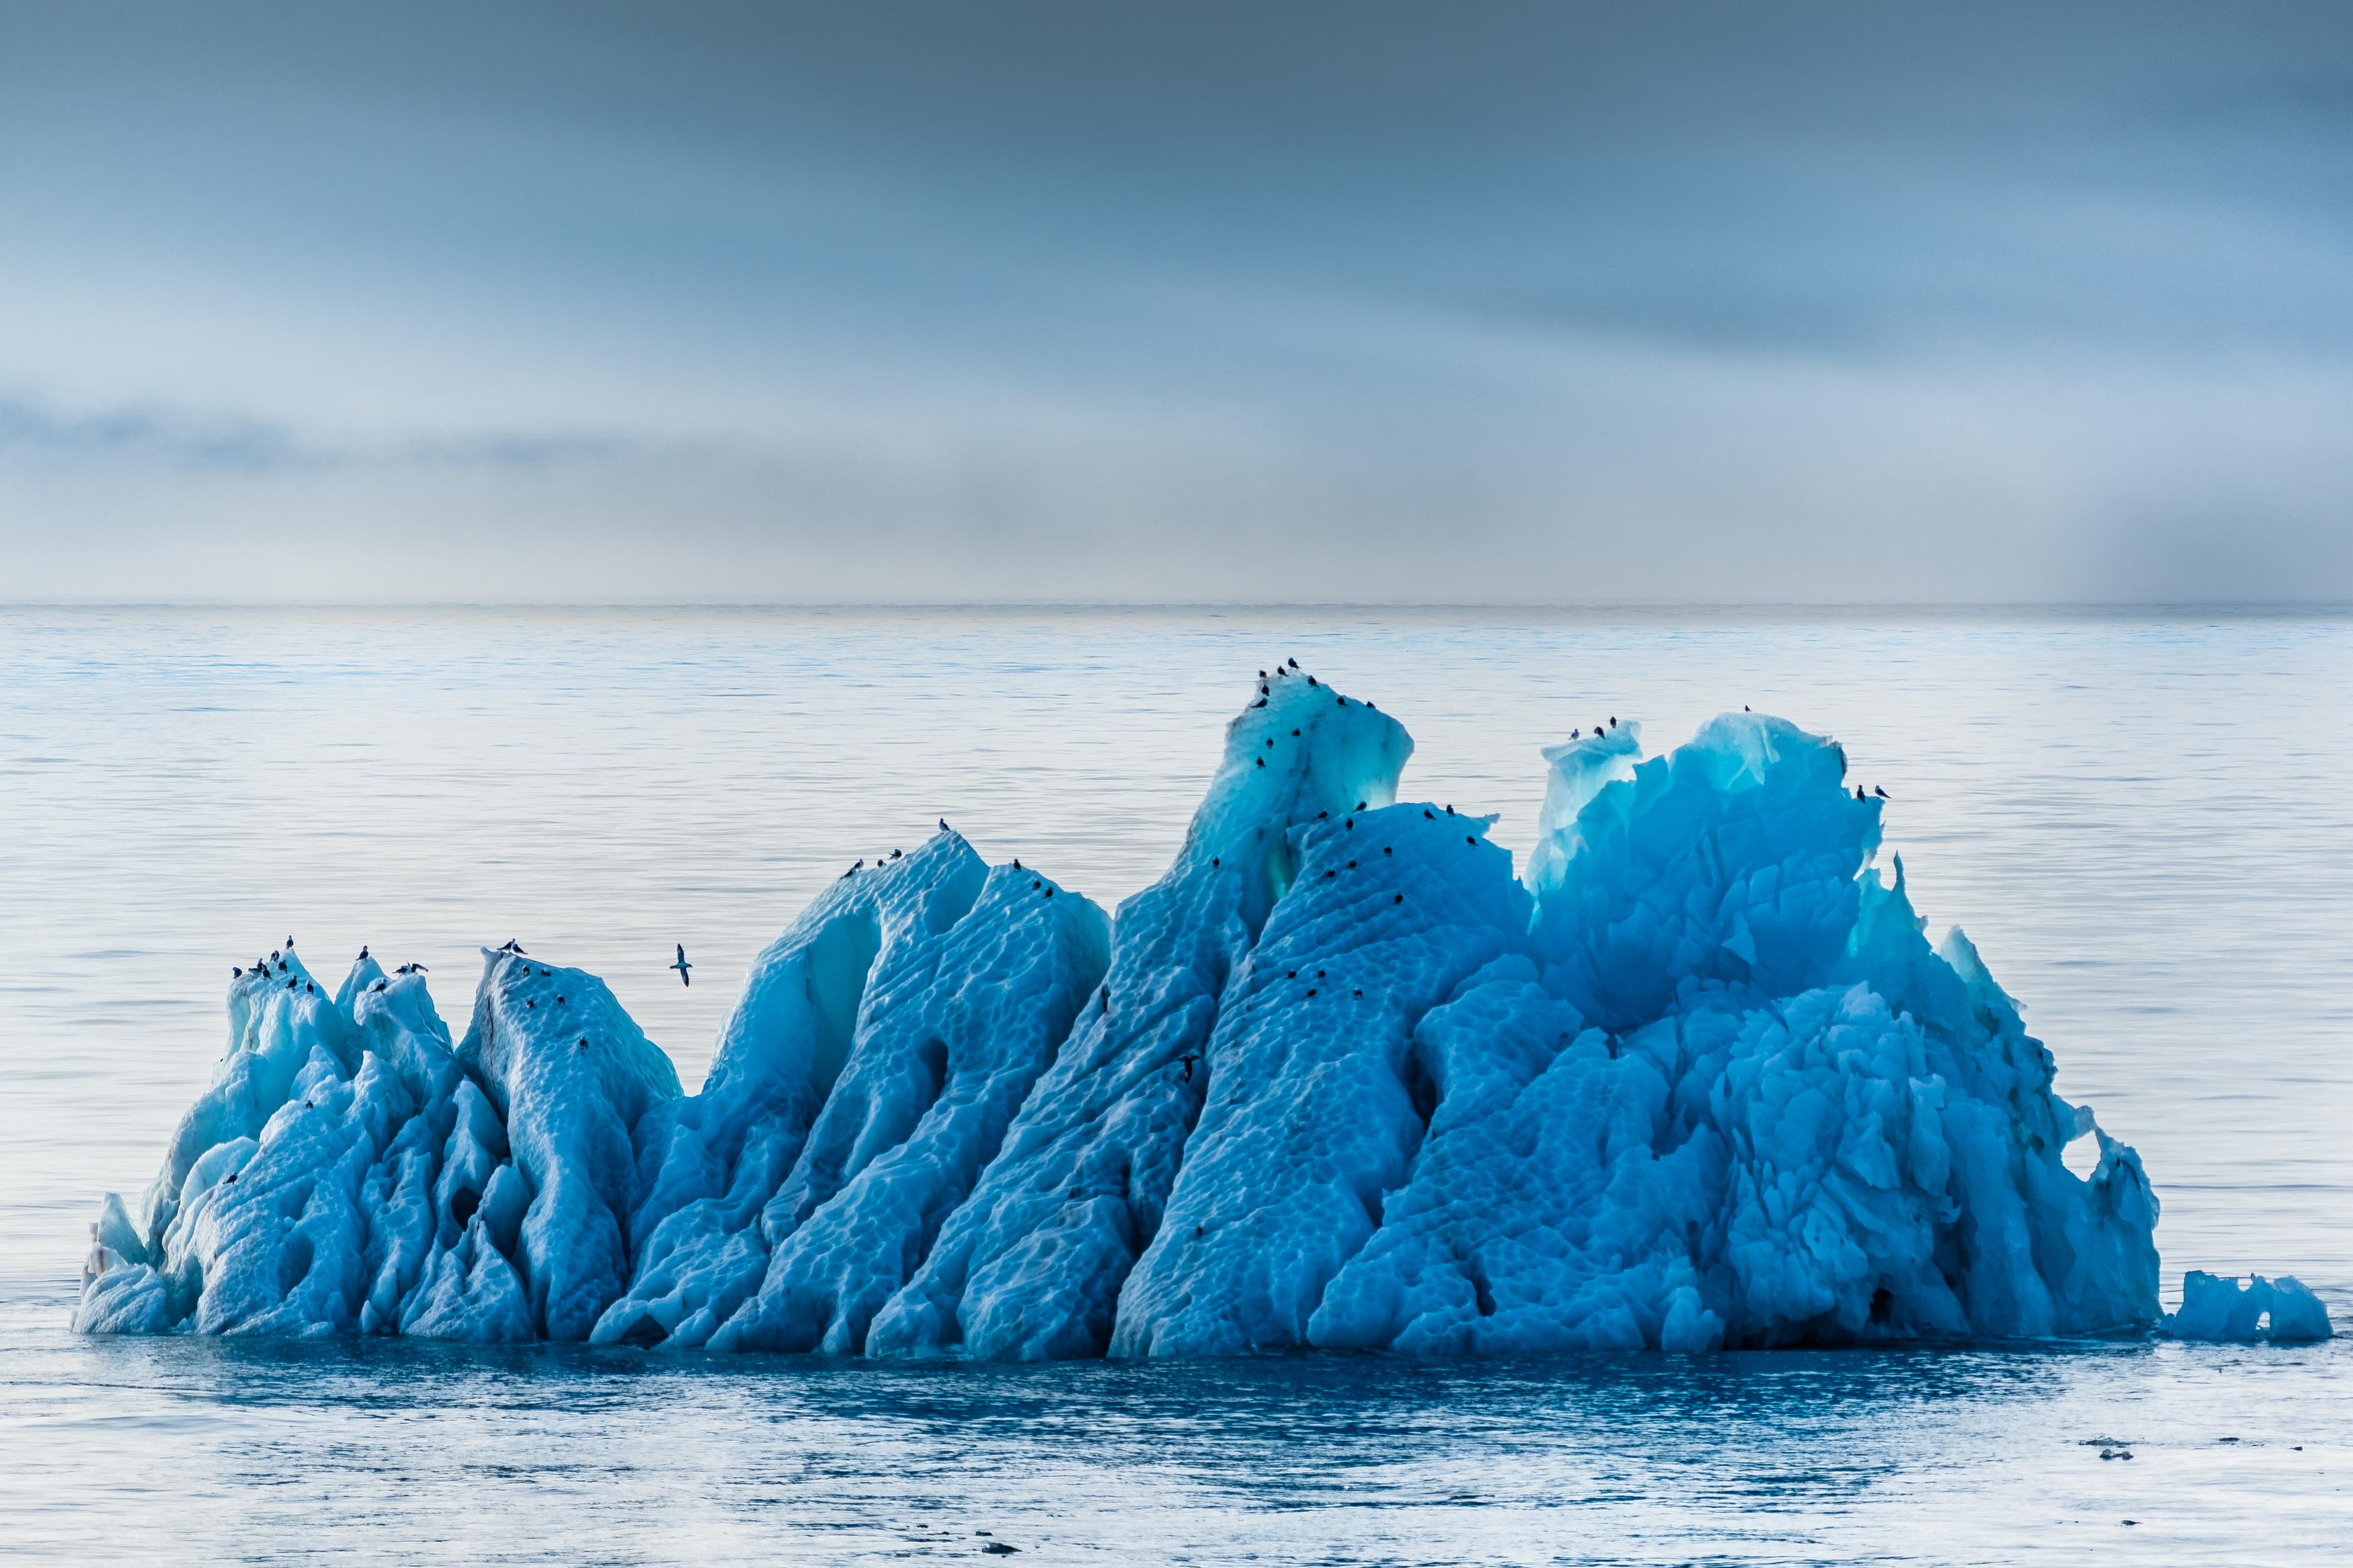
x=1344 y=1077
x=2278 y=1312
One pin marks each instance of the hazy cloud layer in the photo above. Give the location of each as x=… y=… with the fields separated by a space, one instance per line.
x=1507 y=302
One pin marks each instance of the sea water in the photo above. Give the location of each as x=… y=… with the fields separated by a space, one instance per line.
x=2140 y=819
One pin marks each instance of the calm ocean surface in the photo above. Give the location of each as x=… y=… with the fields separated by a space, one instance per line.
x=2143 y=822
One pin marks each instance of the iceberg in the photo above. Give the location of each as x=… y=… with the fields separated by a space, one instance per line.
x=1345 y=1077
x=2274 y=1311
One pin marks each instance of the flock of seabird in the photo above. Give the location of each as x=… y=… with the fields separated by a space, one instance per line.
x=275 y=963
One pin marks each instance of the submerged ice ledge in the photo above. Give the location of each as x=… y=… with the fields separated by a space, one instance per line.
x=1338 y=1079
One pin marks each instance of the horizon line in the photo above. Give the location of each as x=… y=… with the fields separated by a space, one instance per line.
x=2084 y=607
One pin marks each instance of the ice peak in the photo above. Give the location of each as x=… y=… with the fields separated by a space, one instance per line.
x=1298 y=750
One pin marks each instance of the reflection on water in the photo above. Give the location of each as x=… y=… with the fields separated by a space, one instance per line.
x=2142 y=822
x=381 y=1450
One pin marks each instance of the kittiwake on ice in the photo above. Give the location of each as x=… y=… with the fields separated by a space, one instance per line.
x=1345 y=1077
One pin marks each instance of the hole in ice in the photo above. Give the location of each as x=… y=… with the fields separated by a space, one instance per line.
x=2081 y=1156
x=463 y=1207
x=2263 y=1323
x=932 y=1060
x=1421 y=1089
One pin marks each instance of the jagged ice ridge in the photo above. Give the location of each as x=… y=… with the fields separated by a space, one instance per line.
x=1338 y=1079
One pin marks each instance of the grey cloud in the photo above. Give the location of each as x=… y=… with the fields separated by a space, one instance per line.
x=231 y=443
x=1709 y=299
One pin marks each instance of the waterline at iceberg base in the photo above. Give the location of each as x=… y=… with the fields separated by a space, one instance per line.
x=1339 y=1079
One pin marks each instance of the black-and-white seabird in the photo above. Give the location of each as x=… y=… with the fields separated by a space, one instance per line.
x=683 y=966
x=1881 y=793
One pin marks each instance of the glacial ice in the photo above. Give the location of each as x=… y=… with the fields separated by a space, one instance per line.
x=2280 y=1311
x=1339 y=1079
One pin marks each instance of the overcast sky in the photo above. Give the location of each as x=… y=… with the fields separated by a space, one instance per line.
x=1450 y=302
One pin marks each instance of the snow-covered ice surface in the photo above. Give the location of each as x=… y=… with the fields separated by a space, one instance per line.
x=1340 y=1079
x=2135 y=819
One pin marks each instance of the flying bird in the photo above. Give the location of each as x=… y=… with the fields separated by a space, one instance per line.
x=683 y=966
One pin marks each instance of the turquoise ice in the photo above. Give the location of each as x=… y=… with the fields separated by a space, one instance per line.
x=1691 y=1079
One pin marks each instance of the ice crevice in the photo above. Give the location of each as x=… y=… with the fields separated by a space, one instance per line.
x=1344 y=1077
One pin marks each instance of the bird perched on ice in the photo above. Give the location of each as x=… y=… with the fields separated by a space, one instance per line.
x=683 y=966
x=1881 y=793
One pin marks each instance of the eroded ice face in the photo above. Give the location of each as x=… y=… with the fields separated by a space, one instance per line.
x=1339 y=1079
